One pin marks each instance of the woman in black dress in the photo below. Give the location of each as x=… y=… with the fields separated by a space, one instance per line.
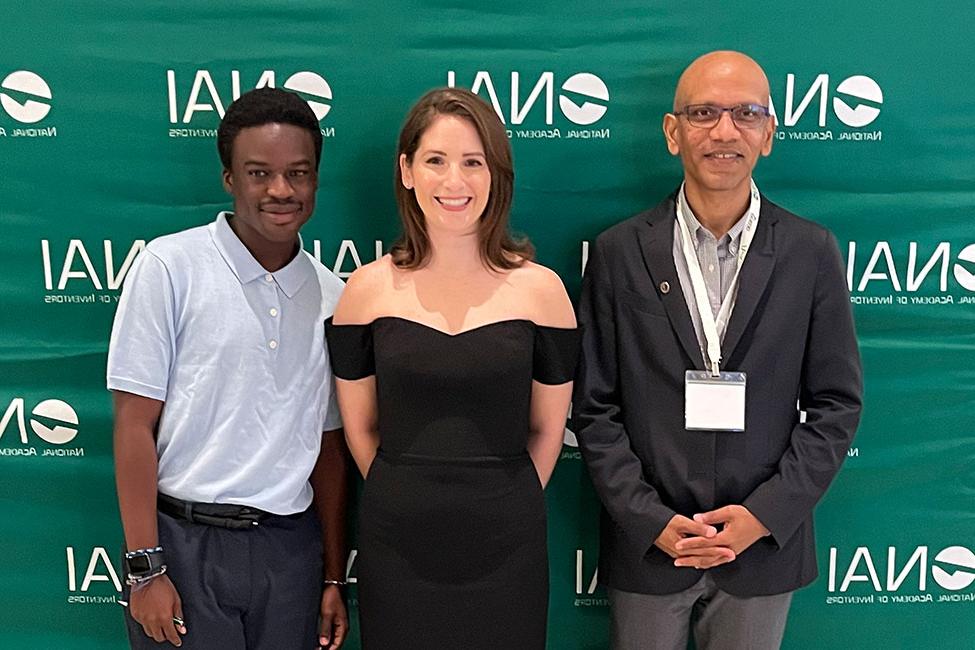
x=454 y=356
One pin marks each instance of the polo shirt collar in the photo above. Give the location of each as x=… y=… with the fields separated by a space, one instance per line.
x=290 y=278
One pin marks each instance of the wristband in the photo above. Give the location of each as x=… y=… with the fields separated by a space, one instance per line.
x=139 y=581
x=341 y=585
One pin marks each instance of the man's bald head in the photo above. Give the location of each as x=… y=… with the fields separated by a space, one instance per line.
x=718 y=69
x=719 y=155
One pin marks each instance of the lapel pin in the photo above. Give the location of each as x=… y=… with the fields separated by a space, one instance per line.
x=664 y=287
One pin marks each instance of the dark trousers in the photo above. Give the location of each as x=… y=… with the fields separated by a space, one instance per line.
x=254 y=589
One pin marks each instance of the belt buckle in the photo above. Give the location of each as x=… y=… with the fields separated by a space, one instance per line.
x=249 y=515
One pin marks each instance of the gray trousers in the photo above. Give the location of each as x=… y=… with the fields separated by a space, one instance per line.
x=254 y=589
x=719 y=621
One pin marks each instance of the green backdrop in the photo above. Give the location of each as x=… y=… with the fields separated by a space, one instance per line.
x=107 y=119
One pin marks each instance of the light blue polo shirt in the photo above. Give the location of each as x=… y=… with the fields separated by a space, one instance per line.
x=238 y=356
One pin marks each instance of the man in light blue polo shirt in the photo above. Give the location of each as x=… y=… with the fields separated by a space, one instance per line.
x=222 y=392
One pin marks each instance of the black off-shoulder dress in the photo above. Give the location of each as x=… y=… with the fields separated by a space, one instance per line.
x=452 y=531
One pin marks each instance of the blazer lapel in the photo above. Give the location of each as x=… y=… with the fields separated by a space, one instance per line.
x=657 y=246
x=755 y=274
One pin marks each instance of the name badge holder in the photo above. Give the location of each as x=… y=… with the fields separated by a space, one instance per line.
x=714 y=403
x=714 y=400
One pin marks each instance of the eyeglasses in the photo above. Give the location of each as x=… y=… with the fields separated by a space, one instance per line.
x=706 y=116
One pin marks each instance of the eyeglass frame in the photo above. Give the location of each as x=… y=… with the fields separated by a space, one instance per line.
x=764 y=110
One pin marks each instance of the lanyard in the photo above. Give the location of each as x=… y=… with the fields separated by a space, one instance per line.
x=714 y=328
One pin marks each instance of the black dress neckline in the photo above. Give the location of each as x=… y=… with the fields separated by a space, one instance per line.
x=461 y=333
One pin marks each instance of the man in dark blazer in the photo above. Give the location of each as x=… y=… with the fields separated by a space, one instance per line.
x=709 y=528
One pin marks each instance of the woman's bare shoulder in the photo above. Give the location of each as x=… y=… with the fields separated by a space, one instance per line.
x=543 y=291
x=365 y=291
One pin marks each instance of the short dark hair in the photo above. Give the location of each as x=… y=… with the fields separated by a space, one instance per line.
x=266 y=106
x=498 y=248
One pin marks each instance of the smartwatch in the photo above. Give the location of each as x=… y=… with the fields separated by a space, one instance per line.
x=144 y=562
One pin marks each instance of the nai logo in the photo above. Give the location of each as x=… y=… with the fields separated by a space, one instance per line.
x=210 y=92
x=76 y=263
x=855 y=102
x=848 y=100
x=52 y=420
x=918 y=266
x=858 y=87
x=587 y=591
x=99 y=570
x=25 y=96
x=583 y=99
x=953 y=569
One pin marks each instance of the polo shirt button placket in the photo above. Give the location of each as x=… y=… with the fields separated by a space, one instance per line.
x=274 y=329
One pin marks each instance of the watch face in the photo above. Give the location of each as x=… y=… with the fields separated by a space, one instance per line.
x=138 y=563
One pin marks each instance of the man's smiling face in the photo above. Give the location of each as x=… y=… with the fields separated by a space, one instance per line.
x=720 y=158
x=273 y=180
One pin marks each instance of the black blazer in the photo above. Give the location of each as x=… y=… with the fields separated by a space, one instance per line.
x=791 y=331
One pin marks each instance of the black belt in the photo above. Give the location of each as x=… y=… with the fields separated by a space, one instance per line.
x=223 y=515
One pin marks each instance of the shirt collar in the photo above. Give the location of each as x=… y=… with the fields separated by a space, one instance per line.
x=697 y=230
x=290 y=278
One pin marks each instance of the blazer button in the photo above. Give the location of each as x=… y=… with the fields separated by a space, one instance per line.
x=664 y=287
